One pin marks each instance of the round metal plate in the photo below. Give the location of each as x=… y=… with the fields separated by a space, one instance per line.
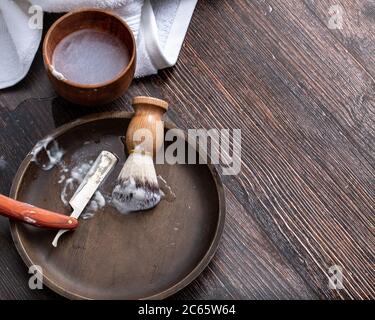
x=146 y=255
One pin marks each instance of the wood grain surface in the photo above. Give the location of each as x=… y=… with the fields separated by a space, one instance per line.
x=303 y=96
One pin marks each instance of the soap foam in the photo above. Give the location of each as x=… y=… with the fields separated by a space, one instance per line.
x=127 y=197
x=71 y=180
x=89 y=56
x=50 y=148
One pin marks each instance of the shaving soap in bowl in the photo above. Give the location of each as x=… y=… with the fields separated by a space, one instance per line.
x=90 y=56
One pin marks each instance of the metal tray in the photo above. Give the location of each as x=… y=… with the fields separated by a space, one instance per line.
x=147 y=255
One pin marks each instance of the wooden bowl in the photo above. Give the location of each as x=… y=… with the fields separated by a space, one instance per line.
x=96 y=19
x=145 y=255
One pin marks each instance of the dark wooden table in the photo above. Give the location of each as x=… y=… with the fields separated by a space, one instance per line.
x=303 y=95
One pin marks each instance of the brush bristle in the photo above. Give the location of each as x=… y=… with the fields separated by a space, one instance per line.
x=137 y=188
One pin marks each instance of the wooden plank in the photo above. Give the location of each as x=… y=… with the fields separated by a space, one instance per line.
x=307 y=160
x=357 y=31
x=247 y=265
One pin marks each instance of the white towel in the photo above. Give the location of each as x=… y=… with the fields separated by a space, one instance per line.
x=158 y=25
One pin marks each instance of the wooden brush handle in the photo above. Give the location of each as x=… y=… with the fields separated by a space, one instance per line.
x=35 y=216
x=146 y=129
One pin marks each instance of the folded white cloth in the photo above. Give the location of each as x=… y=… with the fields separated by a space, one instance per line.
x=158 y=25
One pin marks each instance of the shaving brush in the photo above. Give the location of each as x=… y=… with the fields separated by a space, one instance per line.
x=137 y=185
